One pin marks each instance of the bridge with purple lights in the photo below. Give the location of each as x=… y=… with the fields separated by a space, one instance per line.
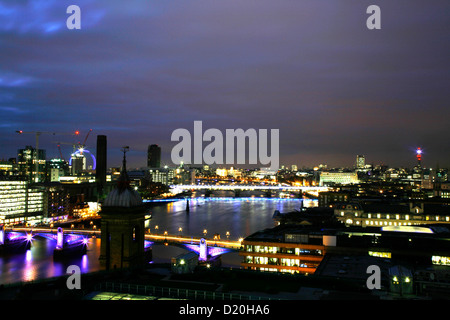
x=66 y=243
x=206 y=252
x=75 y=242
x=14 y=241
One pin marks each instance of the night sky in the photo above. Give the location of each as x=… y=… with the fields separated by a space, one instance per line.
x=137 y=70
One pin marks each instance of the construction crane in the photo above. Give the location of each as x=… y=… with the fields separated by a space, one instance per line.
x=60 y=153
x=81 y=147
x=59 y=143
x=38 y=134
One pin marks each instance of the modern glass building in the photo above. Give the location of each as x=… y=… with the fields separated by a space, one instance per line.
x=21 y=203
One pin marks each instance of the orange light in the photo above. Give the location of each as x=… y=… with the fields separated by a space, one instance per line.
x=77 y=132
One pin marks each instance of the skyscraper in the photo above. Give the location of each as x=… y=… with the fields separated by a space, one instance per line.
x=154 y=156
x=100 y=172
x=360 y=161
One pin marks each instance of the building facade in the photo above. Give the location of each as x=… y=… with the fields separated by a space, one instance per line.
x=330 y=178
x=355 y=214
x=278 y=250
x=21 y=203
x=154 y=156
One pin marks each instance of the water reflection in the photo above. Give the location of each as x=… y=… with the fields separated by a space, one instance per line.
x=237 y=217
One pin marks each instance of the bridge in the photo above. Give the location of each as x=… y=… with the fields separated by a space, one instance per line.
x=21 y=239
x=76 y=241
x=234 y=187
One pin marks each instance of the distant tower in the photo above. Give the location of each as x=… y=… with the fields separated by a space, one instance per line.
x=100 y=171
x=122 y=225
x=419 y=157
x=154 y=156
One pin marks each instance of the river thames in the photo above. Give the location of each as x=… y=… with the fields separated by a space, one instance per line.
x=239 y=217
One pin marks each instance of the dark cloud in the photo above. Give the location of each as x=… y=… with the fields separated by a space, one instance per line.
x=137 y=70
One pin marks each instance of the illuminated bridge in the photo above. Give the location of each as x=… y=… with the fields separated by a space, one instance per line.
x=234 y=187
x=76 y=241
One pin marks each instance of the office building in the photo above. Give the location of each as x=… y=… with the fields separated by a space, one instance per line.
x=284 y=249
x=57 y=168
x=329 y=198
x=360 y=162
x=332 y=178
x=386 y=214
x=26 y=159
x=21 y=203
x=163 y=175
x=154 y=156
x=78 y=163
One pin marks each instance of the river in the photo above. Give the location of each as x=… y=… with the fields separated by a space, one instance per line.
x=240 y=217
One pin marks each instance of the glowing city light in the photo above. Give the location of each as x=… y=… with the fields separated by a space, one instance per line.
x=80 y=151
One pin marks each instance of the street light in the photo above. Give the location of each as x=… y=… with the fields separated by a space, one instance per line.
x=179 y=230
x=205 y=232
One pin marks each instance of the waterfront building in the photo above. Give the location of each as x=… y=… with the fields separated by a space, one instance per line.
x=388 y=214
x=314 y=249
x=328 y=198
x=330 y=178
x=281 y=249
x=21 y=203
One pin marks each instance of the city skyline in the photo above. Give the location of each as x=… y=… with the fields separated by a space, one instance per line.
x=136 y=72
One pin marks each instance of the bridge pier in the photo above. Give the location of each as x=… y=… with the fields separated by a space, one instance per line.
x=14 y=241
x=237 y=193
x=69 y=245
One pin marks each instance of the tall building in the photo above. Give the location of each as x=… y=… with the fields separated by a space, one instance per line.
x=26 y=159
x=154 y=156
x=100 y=172
x=360 y=162
x=78 y=161
x=57 y=168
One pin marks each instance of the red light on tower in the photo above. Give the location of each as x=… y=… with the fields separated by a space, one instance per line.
x=419 y=154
